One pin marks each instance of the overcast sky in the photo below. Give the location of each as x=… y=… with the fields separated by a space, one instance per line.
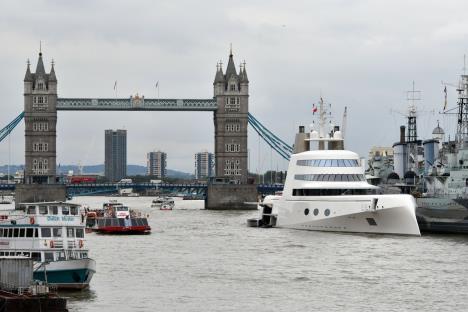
x=360 y=54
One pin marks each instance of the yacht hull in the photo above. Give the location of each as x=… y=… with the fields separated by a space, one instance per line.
x=389 y=215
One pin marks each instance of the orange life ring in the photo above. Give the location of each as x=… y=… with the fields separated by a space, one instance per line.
x=51 y=244
x=81 y=243
x=31 y=220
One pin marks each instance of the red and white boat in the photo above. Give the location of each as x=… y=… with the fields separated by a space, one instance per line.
x=116 y=218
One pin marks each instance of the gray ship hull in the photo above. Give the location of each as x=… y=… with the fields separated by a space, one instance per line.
x=442 y=215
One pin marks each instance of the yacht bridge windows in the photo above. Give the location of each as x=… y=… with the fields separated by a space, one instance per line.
x=330 y=177
x=328 y=162
x=332 y=192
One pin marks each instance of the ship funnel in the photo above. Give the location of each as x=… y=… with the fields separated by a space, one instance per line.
x=402 y=134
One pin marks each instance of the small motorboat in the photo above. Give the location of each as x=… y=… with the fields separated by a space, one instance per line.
x=163 y=203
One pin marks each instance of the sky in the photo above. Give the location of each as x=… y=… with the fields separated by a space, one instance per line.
x=356 y=53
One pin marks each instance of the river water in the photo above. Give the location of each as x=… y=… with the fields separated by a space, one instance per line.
x=201 y=260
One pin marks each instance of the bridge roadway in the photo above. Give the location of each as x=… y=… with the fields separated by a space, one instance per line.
x=102 y=188
x=135 y=103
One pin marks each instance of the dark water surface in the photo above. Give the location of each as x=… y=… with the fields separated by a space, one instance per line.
x=198 y=260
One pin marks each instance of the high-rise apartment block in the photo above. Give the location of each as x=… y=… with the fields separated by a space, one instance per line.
x=156 y=164
x=204 y=165
x=116 y=154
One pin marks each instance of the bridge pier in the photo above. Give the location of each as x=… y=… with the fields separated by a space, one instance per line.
x=231 y=197
x=29 y=193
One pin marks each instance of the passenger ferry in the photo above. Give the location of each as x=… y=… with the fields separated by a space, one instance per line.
x=53 y=235
x=116 y=218
x=325 y=190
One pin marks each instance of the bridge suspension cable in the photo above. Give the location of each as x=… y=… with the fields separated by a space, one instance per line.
x=281 y=147
x=7 y=130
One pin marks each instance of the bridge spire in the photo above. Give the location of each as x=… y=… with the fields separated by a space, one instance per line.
x=28 y=77
x=52 y=76
x=40 y=66
x=231 y=68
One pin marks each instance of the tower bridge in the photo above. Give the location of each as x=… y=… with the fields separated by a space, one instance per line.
x=229 y=104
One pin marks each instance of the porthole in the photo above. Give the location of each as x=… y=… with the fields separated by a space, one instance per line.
x=306 y=211
x=327 y=212
x=316 y=211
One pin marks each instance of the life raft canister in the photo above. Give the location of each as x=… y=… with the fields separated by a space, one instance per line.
x=31 y=220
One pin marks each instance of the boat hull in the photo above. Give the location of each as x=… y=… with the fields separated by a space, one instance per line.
x=391 y=215
x=123 y=230
x=442 y=215
x=67 y=274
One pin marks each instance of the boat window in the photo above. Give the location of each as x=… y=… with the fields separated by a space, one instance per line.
x=31 y=209
x=36 y=232
x=43 y=210
x=84 y=255
x=36 y=256
x=15 y=232
x=1 y=232
x=29 y=232
x=330 y=192
x=74 y=210
x=53 y=210
x=65 y=210
x=45 y=232
x=61 y=256
x=48 y=256
x=70 y=232
x=122 y=208
x=10 y=232
x=328 y=162
x=21 y=233
x=330 y=177
x=79 y=233
x=57 y=232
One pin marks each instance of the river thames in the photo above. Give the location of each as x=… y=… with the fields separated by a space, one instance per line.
x=200 y=260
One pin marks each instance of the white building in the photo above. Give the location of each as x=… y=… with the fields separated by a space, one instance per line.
x=204 y=165
x=156 y=164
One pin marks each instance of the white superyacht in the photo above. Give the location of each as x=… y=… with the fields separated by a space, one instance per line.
x=325 y=190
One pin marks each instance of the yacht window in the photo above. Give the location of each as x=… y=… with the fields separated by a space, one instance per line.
x=316 y=211
x=61 y=256
x=65 y=210
x=327 y=212
x=45 y=232
x=31 y=209
x=328 y=163
x=15 y=232
x=53 y=210
x=36 y=232
x=1 y=232
x=334 y=163
x=21 y=233
x=57 y=232
x=79 y=233
x=74 y=211
x=70 y=232
x=341 y=163
x=29 y=232
x=48 y=256
x=10 y=232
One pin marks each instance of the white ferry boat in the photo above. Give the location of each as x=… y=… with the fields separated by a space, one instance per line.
x=53 y=235
x=325 y=190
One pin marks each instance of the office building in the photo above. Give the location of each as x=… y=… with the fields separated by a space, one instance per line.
x=116 y=154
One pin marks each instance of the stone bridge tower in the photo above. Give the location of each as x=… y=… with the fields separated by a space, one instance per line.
x=40 y=98
x=231 y=91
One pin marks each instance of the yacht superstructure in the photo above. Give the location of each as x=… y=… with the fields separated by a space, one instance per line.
x=325 y=190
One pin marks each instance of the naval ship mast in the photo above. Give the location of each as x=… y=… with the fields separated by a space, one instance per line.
x=412 y=137
x=462 y=120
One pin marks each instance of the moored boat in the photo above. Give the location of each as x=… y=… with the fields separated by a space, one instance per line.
x=52 y=234
x=163 y=203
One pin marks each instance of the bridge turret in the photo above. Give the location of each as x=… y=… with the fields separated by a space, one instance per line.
x=244 y=80
x=231 y=121
x=219 y=80
x=40 y=98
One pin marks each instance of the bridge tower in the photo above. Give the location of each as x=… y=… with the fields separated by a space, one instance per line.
x=40 y=99
x=231 y=91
